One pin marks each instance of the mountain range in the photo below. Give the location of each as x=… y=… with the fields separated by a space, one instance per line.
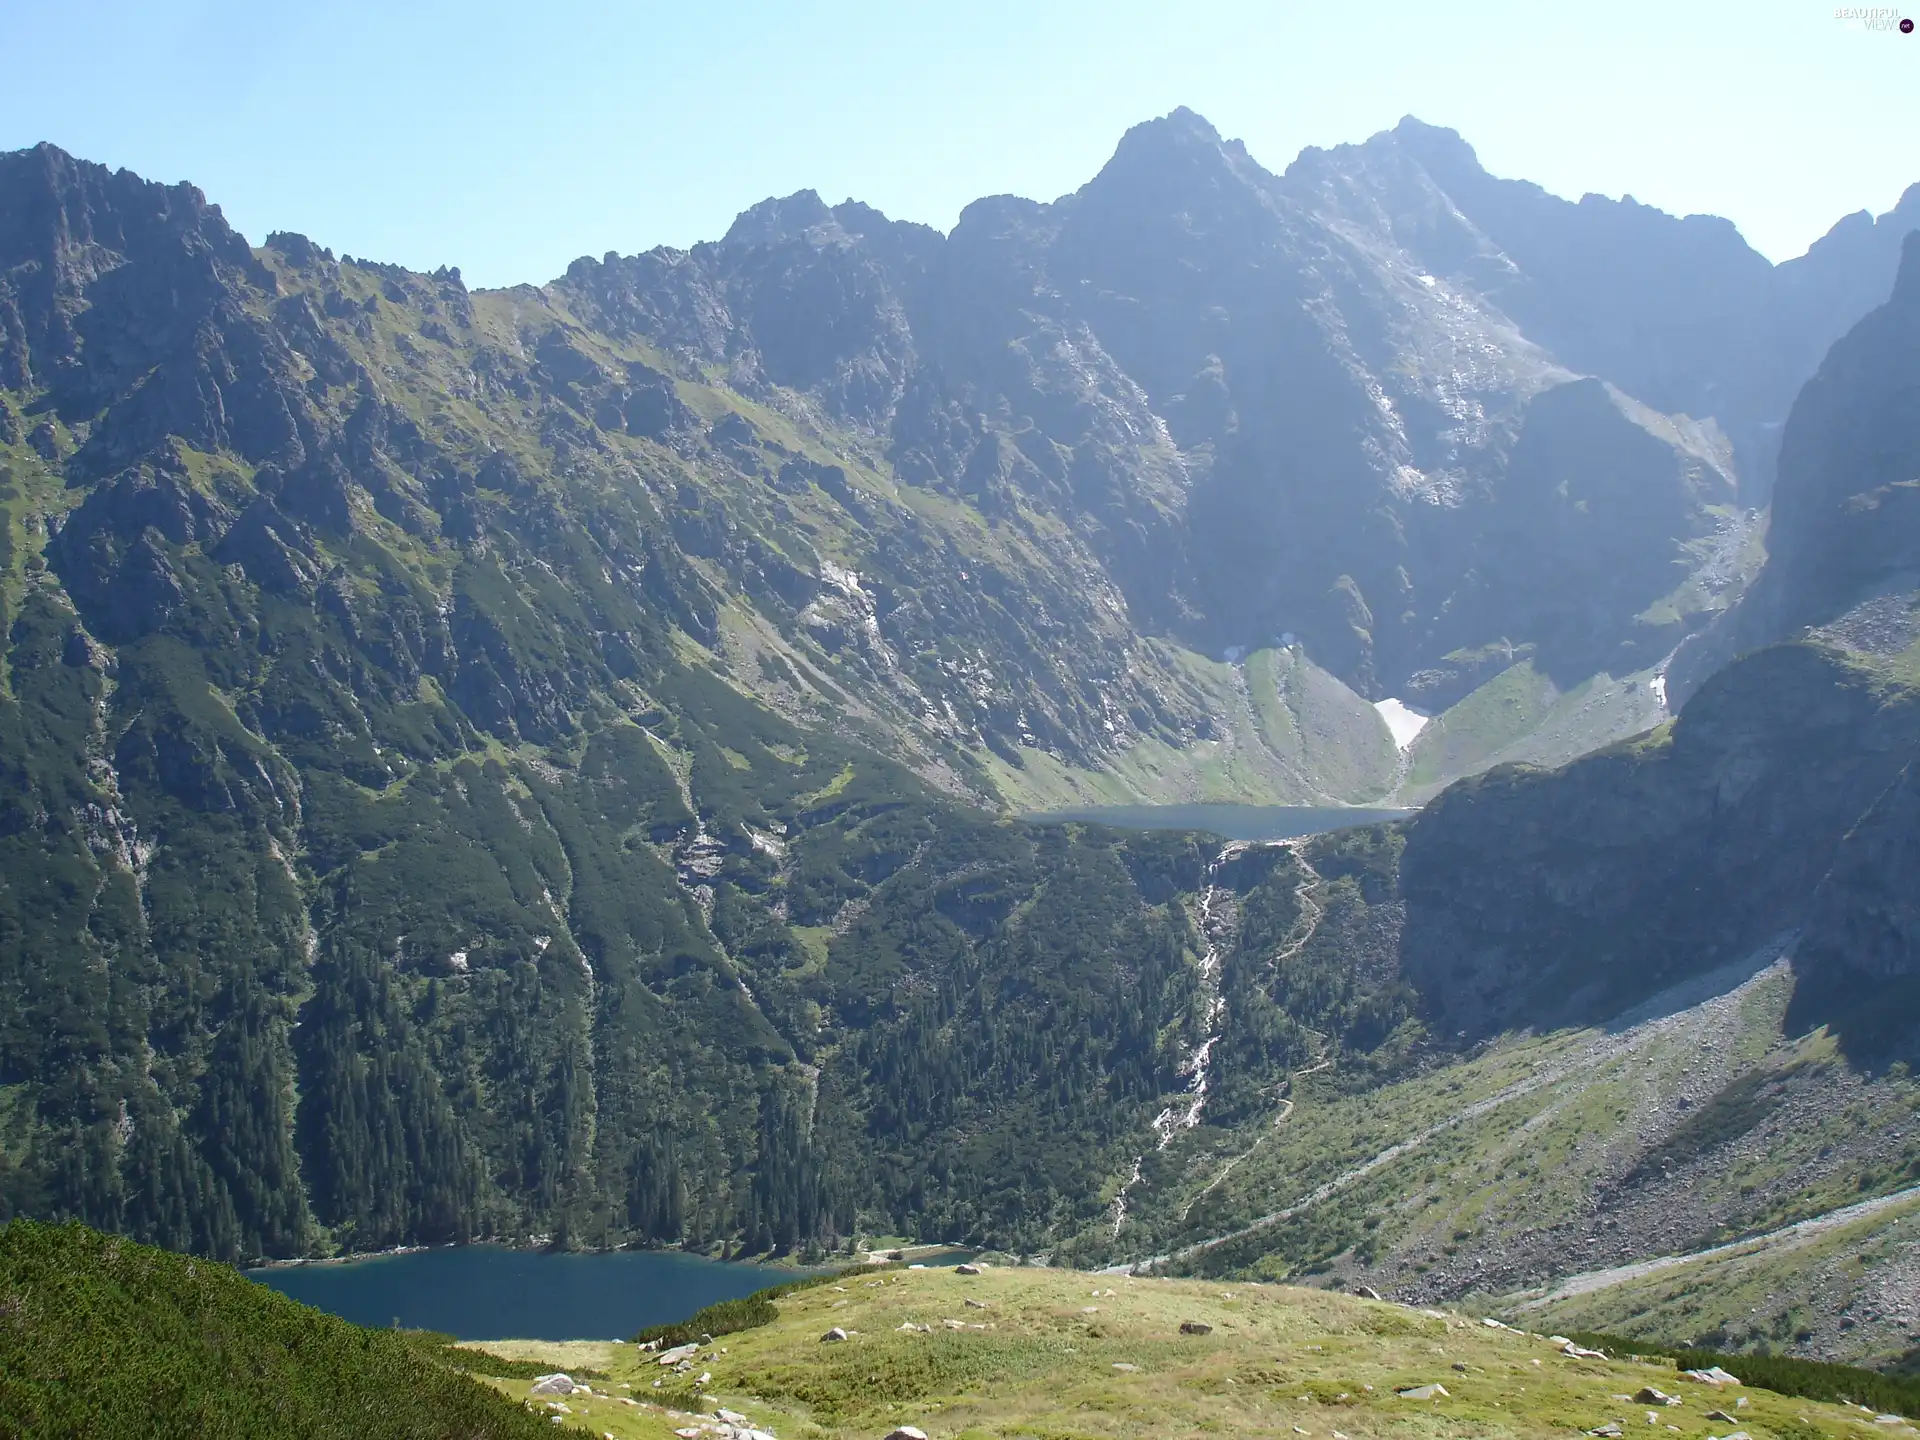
x=534 y=762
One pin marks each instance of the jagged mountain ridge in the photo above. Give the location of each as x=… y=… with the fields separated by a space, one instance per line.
x=474 y=768
x=1333 y=437
x=1287 y=404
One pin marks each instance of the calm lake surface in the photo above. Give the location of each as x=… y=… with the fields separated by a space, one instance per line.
x=1233 y=822
x=481 y=1292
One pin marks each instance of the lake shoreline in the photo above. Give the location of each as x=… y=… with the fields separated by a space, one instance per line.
x=1255 y=824
x=529 y=1247
x=484 y=1291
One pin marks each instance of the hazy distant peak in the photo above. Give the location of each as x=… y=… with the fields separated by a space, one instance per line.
x=1155 y=146
x=777 y=219
x=1440 y=153
x=1430 y=141
x=995 y=214
x=1178 y=121
x=857 y=218
x=1906 y=281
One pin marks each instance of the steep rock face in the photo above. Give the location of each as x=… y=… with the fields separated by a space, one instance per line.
x=1664 y=308
x=1847 y=508
x=1844 y=544
x=1265 y=404
x=1865 y=924
x=1779 y=802
x=1578 y=545
x=138 y=351
x=1817 y=297
x=1540 y=898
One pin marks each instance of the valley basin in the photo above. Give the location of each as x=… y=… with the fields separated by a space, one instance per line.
x=1230 y=822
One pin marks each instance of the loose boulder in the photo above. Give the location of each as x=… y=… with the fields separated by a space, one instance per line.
x=1713 y=1376
x=968 y=1269
x=1423 y=1392
x=1195 y=1327
x=833 y=1336
x=555 y=1384
x=907 y=1432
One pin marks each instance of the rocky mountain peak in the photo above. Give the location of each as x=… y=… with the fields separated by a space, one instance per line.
x=1178 y=128
x=1171 y=160
x=1441 y=149
x=775 y=220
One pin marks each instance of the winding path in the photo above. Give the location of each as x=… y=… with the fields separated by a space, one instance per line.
x=1786 y=1236
x=1598 y=1051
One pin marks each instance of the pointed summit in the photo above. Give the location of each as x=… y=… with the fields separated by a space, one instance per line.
x=1174 y=162
x=1157 y=146
x=777 y=219
x=1442 y=151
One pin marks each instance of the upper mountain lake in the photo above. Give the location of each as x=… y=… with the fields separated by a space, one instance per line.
x=1231 y=822
x=485 y=1292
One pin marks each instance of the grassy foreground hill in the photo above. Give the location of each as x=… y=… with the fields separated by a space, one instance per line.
x=103 y=1338
x=1034 y=1352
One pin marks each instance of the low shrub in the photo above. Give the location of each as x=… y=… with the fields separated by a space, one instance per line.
x=1783 y=1374
x=729 y=1317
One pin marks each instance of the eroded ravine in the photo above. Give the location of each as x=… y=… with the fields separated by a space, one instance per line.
x=1198 y=1068
x=1305 y=927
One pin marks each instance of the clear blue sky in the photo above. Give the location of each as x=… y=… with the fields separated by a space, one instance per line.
x=509 y=138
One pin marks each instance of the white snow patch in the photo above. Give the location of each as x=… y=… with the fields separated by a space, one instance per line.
x=1402 y=722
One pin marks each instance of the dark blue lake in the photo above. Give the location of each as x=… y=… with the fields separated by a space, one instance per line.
x=480 y=1292
x=1230 y=822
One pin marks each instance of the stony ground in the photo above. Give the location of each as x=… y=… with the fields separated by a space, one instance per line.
x=1065 y=1355
x=1850 y=1288
x=1697 y=1121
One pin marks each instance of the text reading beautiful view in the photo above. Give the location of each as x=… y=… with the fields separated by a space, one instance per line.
x=1267 y=783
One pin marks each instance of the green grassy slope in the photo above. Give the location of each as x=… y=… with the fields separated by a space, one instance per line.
x=103 y=1338
x=1521 y=716
x=1282 y=731
x=1040 y=1352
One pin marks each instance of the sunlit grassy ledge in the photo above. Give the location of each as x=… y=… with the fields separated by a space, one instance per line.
x=1059 y=1354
